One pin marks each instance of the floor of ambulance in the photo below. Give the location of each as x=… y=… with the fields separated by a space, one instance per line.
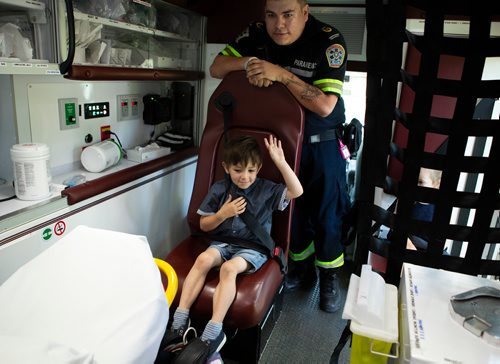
x=304 y=333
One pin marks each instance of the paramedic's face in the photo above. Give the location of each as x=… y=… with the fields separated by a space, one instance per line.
x=242 y=176
x=285 y=20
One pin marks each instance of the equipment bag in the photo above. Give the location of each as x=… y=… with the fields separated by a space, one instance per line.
x=352 y=136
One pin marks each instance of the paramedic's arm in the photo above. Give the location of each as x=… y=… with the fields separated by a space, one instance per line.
x=309 y=96
x=229 y=209
x=293 y=186
x=222 y=65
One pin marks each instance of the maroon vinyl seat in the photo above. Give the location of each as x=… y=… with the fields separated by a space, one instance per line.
x=257 y=112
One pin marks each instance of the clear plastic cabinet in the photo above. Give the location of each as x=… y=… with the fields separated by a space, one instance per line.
x=154 y=39
x=27 y=37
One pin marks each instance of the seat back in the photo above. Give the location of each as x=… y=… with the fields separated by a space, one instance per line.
x=257 y=112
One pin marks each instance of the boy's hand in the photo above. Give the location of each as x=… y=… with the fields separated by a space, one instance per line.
x=232 y=208
x=276 y=153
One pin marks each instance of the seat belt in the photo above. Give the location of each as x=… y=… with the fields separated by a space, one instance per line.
x=274 y=251
x=225 y=102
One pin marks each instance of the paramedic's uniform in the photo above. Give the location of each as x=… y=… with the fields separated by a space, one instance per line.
x=318 y=57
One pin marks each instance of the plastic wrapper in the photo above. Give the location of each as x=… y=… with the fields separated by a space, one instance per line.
x=177 y=23
x=16 y=37
x=111 y=9
x=137 y=12
x=140 y=13
x=13 y=44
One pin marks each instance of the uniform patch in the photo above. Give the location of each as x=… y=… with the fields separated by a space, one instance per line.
x=333 y=36
x=327 y=29
x=259 y=25
x=335 y=55
x=243 y=34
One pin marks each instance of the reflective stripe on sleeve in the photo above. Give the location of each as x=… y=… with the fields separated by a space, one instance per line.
x=329 y=85
x=230 y=51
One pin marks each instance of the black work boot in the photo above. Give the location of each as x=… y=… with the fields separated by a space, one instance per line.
x=301 y=274
x=329 y=290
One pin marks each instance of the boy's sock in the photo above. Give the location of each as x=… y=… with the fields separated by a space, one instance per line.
x=212 y=330
x=181 y=317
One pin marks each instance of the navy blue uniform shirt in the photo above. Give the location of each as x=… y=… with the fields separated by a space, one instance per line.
x=318 y=57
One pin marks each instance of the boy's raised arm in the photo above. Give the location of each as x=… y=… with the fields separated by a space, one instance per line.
x=293 y=185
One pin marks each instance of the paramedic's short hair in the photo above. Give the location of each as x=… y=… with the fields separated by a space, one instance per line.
x=243 y=149
x=302 y=3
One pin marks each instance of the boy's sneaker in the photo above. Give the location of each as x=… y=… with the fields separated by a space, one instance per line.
x=199 y=351
x=216 y=344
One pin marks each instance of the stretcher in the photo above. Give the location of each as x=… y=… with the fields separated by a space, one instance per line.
x=95 y=296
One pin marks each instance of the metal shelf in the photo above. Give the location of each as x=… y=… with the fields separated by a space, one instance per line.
x=131 y=27
x=14 y=66
x=21 y=5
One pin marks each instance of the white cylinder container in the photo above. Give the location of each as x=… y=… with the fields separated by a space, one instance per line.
x=31 y=170
x=100 y=156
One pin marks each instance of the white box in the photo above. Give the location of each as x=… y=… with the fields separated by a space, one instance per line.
x=428 y=332
x=145 y=154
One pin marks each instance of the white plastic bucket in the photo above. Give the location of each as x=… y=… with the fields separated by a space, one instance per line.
x=31 y=170
x=100 y=156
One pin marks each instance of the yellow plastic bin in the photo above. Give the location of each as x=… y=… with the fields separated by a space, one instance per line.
x=369 y=351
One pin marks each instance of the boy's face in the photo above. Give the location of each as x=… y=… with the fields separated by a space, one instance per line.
x=285 y=20
x=241 y=175
x=426 y=179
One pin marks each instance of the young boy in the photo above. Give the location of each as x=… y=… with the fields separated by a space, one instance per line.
x=219 y=212
x=430 y=178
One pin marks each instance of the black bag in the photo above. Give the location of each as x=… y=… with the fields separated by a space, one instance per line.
x=352 y=136
x=195 y=353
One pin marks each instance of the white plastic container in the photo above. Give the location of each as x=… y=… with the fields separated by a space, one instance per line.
x=372 y=307
x=97 y=157
x=31 y=170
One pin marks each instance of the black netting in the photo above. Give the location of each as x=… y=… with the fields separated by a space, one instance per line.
x=435 y=113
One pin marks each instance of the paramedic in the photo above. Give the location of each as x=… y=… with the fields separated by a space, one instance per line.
x=308 y=57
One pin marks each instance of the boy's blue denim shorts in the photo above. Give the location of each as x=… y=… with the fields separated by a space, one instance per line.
x=228 y=251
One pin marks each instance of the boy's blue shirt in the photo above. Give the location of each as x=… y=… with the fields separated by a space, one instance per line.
x=263 y=198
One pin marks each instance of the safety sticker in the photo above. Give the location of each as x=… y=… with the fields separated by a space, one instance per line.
x=59 y=228
x=335 y=55
x=47 y=234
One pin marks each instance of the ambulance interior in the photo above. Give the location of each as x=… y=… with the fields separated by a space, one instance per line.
x=79 y=281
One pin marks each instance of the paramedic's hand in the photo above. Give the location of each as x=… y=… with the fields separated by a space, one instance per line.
x=232 y=207
x=276 y=153
x=261 y=73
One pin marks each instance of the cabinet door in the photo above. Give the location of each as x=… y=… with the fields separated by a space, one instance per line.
x=27 y=42
x=137 y=35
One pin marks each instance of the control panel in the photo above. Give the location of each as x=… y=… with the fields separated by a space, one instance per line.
x=128 y=107
x=68 y=113
x=96 y=110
